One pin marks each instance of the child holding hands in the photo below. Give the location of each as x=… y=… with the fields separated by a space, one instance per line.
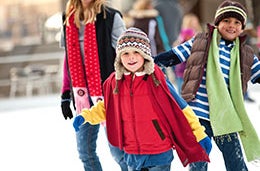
x=218 y=67
x=141 y=115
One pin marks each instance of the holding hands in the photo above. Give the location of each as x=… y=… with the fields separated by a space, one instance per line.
x=78 y=121
x=95 y=115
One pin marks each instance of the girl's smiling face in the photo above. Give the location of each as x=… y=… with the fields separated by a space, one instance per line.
x=230 y=28
x=132 y=60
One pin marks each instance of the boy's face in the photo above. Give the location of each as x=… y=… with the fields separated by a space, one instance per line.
x=230 y=28
x=132 y=60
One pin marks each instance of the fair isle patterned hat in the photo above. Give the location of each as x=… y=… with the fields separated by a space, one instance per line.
x=231 y=9
x=133 y=39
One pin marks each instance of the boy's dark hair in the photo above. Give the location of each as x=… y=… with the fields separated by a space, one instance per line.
x=231 y=9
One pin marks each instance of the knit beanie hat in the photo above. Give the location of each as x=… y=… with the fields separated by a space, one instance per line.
x=133 y=39
x=231 y=9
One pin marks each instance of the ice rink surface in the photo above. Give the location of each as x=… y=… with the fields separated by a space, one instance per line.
x=35 y=137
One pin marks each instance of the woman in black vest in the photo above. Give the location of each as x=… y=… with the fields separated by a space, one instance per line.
x=90 y=33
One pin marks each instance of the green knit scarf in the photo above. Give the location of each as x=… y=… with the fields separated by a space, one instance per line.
x=227 y=109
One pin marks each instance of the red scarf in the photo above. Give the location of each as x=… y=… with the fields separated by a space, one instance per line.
x=88 y=77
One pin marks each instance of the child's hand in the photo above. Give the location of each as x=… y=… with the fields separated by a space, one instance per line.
x=78 y=121
x=206 y=144
x=96 y=114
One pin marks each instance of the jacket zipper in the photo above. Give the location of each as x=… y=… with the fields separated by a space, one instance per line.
x=133 y=114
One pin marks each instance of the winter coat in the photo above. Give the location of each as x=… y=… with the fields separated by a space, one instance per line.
x=153 y=111
x=196 y=63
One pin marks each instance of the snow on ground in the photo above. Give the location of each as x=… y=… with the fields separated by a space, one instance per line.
x=35 y=137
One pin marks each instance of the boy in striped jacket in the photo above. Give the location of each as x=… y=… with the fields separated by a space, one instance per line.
x=218 y=67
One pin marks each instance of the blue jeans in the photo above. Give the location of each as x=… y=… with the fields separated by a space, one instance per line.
x=86 y=145
x=155 y=168
x=118 y=156
x=230 y=147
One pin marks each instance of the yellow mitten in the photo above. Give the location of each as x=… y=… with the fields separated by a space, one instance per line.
x=96 y=114
x=197 y=128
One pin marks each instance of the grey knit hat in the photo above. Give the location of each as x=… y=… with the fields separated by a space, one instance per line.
x=231 y=9
x=133 y=39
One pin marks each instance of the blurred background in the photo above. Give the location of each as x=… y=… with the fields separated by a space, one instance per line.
x=30 y=56
x=34 y=134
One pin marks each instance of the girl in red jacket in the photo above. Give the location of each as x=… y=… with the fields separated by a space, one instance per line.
x=142 y=117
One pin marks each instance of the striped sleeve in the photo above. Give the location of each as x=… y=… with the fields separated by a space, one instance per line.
x=183 y=50
x=255 y=70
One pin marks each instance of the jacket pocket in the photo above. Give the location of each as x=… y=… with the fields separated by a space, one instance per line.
x=158 y=129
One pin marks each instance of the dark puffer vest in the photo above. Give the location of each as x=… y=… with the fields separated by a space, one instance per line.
x=198 y=60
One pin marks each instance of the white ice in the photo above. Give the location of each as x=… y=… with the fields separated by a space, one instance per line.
x=35 y=137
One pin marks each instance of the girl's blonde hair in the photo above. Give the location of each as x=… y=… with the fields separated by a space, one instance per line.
x=87 y=16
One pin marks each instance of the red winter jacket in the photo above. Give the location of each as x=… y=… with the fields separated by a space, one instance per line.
x=144 y=119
